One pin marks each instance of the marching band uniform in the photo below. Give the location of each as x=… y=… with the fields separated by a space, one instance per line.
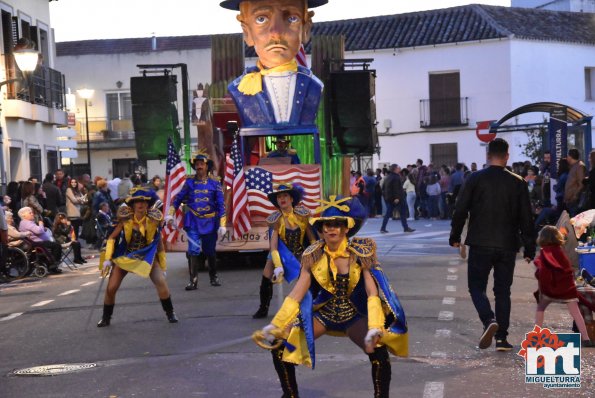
x=338 y=302
x=204 y=218
x=135 y=246
x=290 y=244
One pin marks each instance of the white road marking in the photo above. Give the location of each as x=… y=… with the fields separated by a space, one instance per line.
x=452 y=277
x=442 y=333
x=41 y=303
x=451 y=288
x=446 y=316
x=89 y=283
x=449 y=300
x=11 y=316
x=437 y=354
x=453 y=262
x=452 y=270
x=66 y=293
x=434 y=389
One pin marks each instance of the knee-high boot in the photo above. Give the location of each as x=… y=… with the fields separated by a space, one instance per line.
x=108 y=310
x=286 y=373
x=213 y=271
x=381 y=372
x=266 y=294
x=193 y=271
x=168 y=307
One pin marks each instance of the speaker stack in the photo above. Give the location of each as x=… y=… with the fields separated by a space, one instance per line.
x=154 y=115
x=353 y=111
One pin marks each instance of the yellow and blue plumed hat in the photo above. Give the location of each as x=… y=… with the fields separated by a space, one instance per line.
x=204 y=156
x=337 y=207
x=137 y=194
x=235 y=4
x=296 y=192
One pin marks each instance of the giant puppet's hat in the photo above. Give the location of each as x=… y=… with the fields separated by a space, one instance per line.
x=235 y=4
x=337 y=207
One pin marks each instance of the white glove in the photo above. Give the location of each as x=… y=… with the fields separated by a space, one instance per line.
x=221 y=231
x=278 y=273
x=371 y=335
x=107 y=265
x=169 y=219
x=266 y=331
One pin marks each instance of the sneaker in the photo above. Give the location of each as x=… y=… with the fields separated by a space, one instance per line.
x=503 y=345
x=488 y=334
x=409 y=230
x=383 y=231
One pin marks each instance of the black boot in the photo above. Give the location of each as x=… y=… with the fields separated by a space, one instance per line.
x=168 y=307
x=266 y=293
x=193 y=271
x=213 y=271
x=286 y=373
x=381 y=372
x=108 y=310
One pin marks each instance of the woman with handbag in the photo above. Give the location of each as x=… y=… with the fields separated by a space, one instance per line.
x=74 y=200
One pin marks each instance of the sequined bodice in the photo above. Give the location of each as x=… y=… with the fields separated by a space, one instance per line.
x=137 y=241
x=293 y=241
x=339 y=308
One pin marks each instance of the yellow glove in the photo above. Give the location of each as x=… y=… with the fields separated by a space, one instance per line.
x=375 y=313
x=286 y=314
x=276 y=258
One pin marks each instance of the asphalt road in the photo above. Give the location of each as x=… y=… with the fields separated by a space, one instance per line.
x=209 y=352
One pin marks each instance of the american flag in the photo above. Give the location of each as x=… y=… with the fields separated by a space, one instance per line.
x=175 y=175
x=260 y=183
x=301 y=57
x=234 y=178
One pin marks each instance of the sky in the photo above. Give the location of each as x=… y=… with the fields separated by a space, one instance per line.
x=112 y=19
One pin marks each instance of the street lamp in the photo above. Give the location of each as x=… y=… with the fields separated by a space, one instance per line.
x=87 y=94
x=26 y=59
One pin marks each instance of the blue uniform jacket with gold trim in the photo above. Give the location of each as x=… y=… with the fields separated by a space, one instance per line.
x=256 y=110
x=204 y=202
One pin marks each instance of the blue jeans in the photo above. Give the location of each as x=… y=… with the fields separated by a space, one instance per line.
x=481 y=261
x=390 y=206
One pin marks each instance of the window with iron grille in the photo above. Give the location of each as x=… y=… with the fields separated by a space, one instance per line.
x=445 y=107
x=443 y=154
x=35 y=163
x=52 y=161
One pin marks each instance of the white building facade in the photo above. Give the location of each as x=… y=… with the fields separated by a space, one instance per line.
x=33 y=111
x=506 y=66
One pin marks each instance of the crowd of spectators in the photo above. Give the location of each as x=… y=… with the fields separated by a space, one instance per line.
x=61 y=211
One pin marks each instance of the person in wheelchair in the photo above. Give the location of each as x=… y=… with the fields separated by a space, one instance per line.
x=40 y=237
x=15 y=237
x=64 y=234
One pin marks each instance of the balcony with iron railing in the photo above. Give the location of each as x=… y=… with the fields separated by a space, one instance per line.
x=103 y=130
x=38 y=96
x=444 y=112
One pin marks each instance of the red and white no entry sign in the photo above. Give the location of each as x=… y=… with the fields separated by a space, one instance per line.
x=483 y=131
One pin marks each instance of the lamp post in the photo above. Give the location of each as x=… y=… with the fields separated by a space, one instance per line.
x=87 y=94
x=26 y=59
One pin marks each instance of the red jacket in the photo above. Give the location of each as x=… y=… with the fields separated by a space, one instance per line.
x=555 y=274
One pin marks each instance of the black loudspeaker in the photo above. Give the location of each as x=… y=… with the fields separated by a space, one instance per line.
x=353 y=111
x=154 y=116
x=153 y=89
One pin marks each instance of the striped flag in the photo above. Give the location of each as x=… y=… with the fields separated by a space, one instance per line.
x=260 y=180
x=301 y=57
x=175 y=175
x=234 y=178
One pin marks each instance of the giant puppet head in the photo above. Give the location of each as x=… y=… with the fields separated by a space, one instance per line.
x=275 y=28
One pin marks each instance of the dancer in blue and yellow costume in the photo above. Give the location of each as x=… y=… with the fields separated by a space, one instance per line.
x=341 y=290
x=204 y=219
x=135 y=246
x=288 y=229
